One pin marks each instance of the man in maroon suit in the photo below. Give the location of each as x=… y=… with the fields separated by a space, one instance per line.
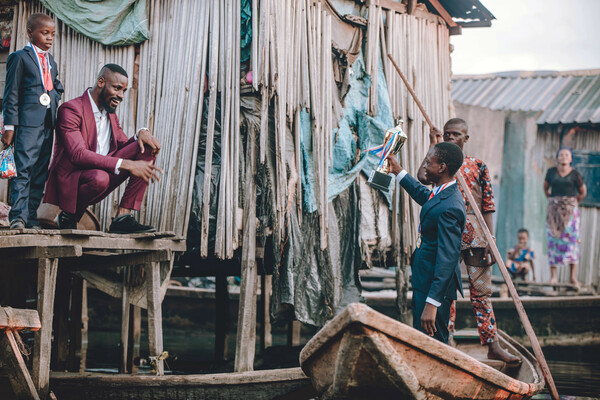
x=93 y=156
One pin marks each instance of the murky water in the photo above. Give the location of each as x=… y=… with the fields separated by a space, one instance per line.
x=576 y=370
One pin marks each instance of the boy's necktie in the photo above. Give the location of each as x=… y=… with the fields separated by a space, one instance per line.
x=46 y=72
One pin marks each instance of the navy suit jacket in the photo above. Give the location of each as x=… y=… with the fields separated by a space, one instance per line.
x=21 y=103
x=435 y=269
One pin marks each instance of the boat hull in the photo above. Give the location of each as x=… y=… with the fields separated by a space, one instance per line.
x=362 y=354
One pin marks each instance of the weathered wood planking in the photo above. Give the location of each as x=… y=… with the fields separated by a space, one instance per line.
x=14 y=319
x=259 y=385
x=122 y=242
x=47 y=270
x=18 y=375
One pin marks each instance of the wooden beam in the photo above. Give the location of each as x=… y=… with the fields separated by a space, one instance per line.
x=222 y=319
x=389 y=5
x=47 y=269
x=410 y=9
x=442 y=11
x=266 y=338
x=136 y=334
x=155 y=335
x=14 y=319
x=61 y=321
x=102 y=260
x=246 y=328
x=294 y=333
x=14 y=366
x=76 y=325
x=455 y=30
x=125 y=308
x=33 y=253
x=105 y=242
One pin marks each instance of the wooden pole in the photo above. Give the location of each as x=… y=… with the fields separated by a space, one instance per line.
x=412 y=92
x=535 y=344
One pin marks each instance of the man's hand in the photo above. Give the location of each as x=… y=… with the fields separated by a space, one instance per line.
x=428 y=319
x=489 y=256
x=393 y=165
x=145 y=137
x=7 y=138
x=435 y=136
x=143 y=169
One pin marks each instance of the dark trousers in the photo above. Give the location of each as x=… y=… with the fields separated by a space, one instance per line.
x=33 y=147
x=96 y=184
x=441 y=319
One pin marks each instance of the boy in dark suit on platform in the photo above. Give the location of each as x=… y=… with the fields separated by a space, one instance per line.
x=31 y=97
x=435 y=269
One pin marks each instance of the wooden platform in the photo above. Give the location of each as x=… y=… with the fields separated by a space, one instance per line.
x=84 y=251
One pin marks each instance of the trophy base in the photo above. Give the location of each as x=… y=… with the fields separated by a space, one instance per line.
x=380 y=181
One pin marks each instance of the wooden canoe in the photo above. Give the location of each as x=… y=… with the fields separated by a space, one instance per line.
x=289 y=383
x=362 y=354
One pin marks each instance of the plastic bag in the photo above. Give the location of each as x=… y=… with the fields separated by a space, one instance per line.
x=7 y=163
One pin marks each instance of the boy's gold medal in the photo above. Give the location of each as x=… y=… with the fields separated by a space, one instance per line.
x=45 y=99
x=419 y=241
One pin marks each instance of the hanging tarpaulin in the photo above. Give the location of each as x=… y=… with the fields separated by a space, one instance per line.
x=110 y=22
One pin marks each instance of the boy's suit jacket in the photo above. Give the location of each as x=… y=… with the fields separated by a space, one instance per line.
x=21 y=102
x=435 y=269
x=75 y=150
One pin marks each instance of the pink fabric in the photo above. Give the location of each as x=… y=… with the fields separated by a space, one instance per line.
x=75 y=151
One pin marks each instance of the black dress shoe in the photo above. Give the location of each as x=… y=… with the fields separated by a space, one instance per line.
x=127 y=224
x=66 y=221
x=17 y=223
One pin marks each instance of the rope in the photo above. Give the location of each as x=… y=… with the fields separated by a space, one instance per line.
x=23 y=348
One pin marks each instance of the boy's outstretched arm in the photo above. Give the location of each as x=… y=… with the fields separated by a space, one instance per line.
x=416 y=190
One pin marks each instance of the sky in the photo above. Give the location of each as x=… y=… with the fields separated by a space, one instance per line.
x=531 y=35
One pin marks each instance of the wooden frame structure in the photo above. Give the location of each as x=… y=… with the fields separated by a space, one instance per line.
x=51 y=250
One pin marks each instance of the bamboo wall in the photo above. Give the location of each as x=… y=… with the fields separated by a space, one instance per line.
x=292 y=67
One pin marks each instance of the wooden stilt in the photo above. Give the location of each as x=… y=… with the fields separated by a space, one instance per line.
x=246 y=329
x=61 y=321
x=294 y=329
x=47 y=269
x=76 y=326
x=15 y=367
x=222 y=319
x=136 y=334
x=155 y=336
x=84 y=327
x=266 y=339
x=125 y=307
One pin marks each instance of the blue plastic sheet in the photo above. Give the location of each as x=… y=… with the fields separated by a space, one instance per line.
x=357 y=131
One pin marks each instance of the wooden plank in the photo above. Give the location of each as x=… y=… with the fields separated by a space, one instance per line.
x=103 y=260
x=33 y=253
x=76 y=325
x=266 y=338
x=136 y=334
x=15 y=367
x=18 y=319
x=61 y=321
x=125 y=307
x=443 y=13
x=222 y=319
x=47 y=269
x=92 y=242
x=155 y=335
x=389 y=5
x=294 y=333
x=246 y=328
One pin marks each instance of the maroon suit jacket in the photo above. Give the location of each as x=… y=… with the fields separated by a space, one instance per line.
x=75 y=151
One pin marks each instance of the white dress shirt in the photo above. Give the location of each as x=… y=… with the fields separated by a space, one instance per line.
x=401 y=176
x=104 y=132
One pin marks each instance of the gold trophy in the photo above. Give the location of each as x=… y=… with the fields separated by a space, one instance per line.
x=381 y=178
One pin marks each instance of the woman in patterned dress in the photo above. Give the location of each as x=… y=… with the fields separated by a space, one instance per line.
x=564 y=188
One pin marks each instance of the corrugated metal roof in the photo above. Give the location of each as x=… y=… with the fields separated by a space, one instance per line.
x=561 y=97
x=467 y=13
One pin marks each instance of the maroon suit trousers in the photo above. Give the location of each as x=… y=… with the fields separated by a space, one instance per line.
x=96 y=184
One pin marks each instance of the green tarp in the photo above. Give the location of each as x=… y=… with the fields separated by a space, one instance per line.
x=110 y=22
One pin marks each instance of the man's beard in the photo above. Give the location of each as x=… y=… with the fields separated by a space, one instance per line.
x=106 y=104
